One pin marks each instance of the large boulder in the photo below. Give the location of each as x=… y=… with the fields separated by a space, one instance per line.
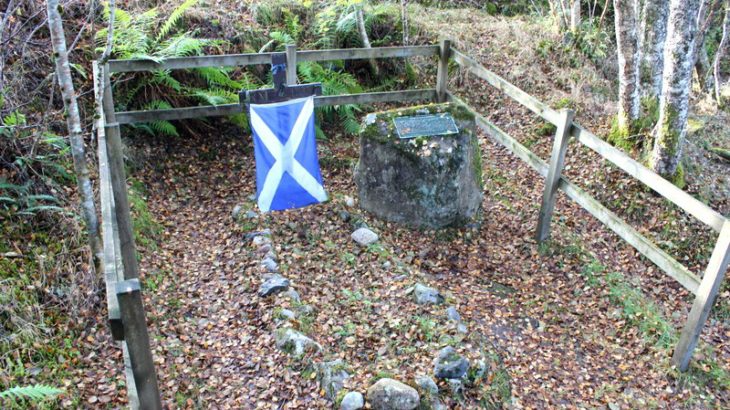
x=389 y=394
x=426 y=181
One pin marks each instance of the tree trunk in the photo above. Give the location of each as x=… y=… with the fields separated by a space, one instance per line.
x=560 y=11
x=701 y=59
x=404 y=20
x=73 y=122
x=721 y=52
x=653 y=36
x=575 y=17
x=628 y=64
x=364 y=36
x=703 y=68
x=671 y=128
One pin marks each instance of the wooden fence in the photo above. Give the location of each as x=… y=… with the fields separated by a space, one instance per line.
x=121 y=272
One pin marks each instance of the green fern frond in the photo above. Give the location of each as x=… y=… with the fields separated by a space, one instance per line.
x=282 y=38
x=174 y=18
x=159 y=127
x=214 y=96
x=34 y=393
x=163 y=128
x=183 y=45
x=220 y=77
x=165 y=78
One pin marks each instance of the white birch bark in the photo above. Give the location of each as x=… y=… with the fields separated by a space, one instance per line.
x=652 y=37
x=575 y=15
x=73 y=122
x=671 y=128
x=627 y=43
x=721 y=50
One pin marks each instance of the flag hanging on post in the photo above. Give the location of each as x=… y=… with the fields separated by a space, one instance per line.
x=287 y=167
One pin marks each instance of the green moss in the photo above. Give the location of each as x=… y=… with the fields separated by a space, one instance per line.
x=678 y=177
x=146 y=229
x=546 y=129
x=477 y=161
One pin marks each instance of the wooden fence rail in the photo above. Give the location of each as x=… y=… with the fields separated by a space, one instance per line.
x=121 y=273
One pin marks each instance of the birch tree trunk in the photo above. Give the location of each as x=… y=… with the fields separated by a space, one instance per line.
x=652 y=38
x=575 y=17
x=701 y=59
x=404 y=20
x=721 y=49
x=671 y=128
x=73 y=122
x=628 y=64
x=364 y=36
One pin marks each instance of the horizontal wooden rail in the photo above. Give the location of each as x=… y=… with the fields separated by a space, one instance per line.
x=171 y=114
x=366 y=53
x=663 y=260
x=178 y=63
x=535 y=105
x=235 y=60
x=651 y=179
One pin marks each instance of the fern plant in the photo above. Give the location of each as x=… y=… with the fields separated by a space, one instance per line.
x=34 y=394
x=138 y=37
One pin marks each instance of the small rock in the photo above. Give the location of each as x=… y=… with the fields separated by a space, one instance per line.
x=273 y=284
x=236 y=212
x=265 y=232
x=305 y=309
x=387 y=265
x=345 y=216
x=265 y=248
x=293 y=342
x=453 y=314
x=428 y=386
x=364 y=237
x=349 y=201
x=286 y=314
x=425 y=295
x=251 y=214
x=252 y=197
x=352 y=401
x=260 y=240
x=293 y=295
x=449 y=364
x=269 y=265
x=461 y=328
x=389 y=394
x=332 y=376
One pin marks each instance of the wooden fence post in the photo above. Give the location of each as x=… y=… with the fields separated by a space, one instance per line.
x=552 y=180
x=138 y=343
x=119 y=183
x=291 y=64
x=442 y=75
x=706 y=295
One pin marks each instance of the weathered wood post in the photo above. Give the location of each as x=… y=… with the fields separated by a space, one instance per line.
x=119 y=182
x=291 y=64
x=557 y=162
x=706 y=295
x=442 y=75
x=138 y=343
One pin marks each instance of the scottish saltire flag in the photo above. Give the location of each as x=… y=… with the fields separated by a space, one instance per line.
x=287 y=168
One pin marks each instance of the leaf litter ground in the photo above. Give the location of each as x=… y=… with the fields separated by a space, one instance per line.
x=546 y=311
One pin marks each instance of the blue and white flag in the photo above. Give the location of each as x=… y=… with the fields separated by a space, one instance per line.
x=287 y=168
